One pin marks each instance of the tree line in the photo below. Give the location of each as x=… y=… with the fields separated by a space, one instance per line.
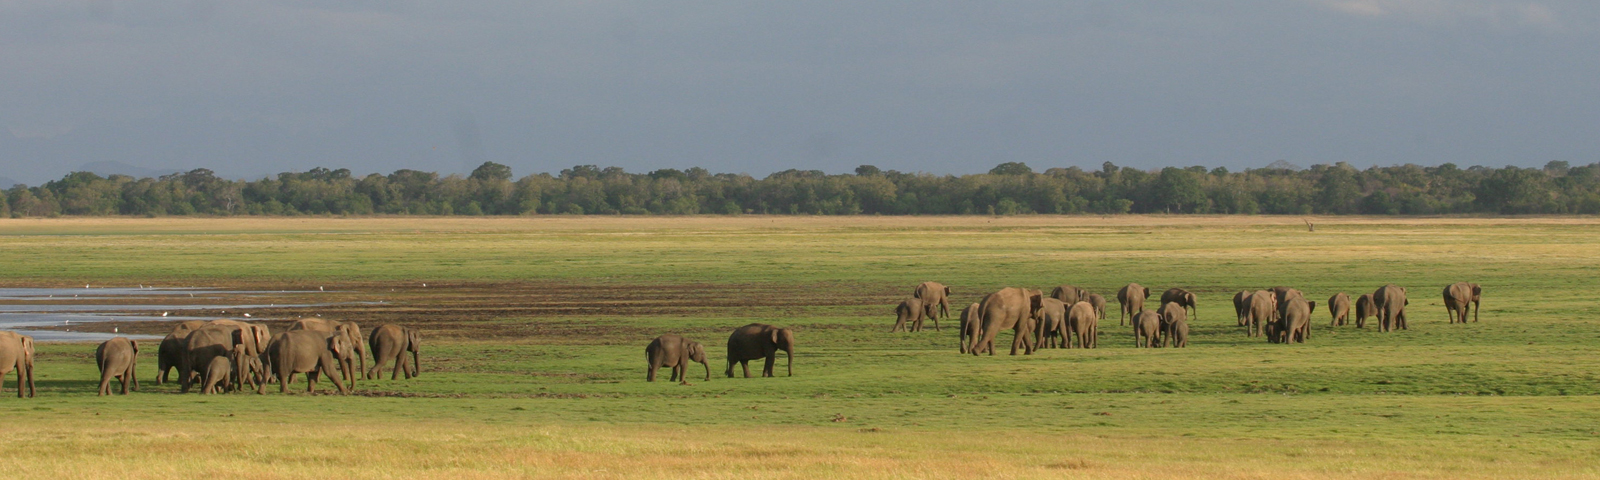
x=1007 y=189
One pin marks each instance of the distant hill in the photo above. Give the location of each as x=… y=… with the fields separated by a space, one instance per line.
x=106 y=169
x=7 y=182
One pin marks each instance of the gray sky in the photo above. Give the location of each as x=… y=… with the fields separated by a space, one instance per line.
x=247 y=88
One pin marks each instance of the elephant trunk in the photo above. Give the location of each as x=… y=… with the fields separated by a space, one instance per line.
x=416 y=363
x=789 y=352
x=708 y=370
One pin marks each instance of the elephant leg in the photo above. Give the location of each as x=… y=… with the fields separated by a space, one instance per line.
x=766 y=368
x=311 y=380
x=650 y=373
x=745 y=364
x=343 y=390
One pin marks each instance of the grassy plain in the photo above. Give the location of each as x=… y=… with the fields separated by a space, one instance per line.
x=536 y=327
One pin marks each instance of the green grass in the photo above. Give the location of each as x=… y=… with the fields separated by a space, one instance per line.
x=1514 y=396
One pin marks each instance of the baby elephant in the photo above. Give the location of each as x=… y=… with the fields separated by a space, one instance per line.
x=676 y=352
x=910 y=313
x=217 y=374
x=116 y=358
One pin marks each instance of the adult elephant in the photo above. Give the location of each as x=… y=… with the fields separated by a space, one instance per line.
x=169 y=353
x=969 y=326
x=1241 y=306
x=1391 y=302
x=1339 y=308
x=1284 y=294
x=1460 y=297
x=1263 y=311
x=935 y=300
x=207 y=343
x=310 y=352
x=1085 y=324
x=1171 y=314
x=390 y=342
x=351 y=332
x=16 y=354
x=252 y=341
x=116 y=358
x=1295 y=320
x=1182 y=297
x=1051 y=325
x=908 y=316
x=1011 y=308
x=1069 y=294
x=1365 y=307
x=759 y=341
x=674 y=352
x=1147 y=329
x=1131 y=298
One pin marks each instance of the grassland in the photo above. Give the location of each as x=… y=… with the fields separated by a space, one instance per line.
x=535 y=330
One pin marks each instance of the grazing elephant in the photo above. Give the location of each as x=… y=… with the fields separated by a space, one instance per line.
x=675 y=352
x=1295 y=320
x=1170 y=314
x=1069 y=294
x=1099 y=304
x=758 y=340
x=1051 y=324
x=1131 y=298
x=935 y=300
x=215 y=379
x=1365 y=307
x=352 y=335
x=390 y=342
x=1391 y=302
x=1181 y=297
x=252 y=338
x=1339 y=308
x=1263 y=311
x=204 y=344
x=969 y=326
x=1241 y=307
x=310 y=352
x=1457 y=297
x=1085 y=324
x=1013 y=309
x=910 y=311
x=116 y=358
x=16 y=353
x=1147 y=329
x=169 y=353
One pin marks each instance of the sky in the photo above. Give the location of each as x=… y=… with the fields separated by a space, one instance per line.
x=947 y=87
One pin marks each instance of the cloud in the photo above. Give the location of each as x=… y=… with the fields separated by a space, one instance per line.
x=1500 y=15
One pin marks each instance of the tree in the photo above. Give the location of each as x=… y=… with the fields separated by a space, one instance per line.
x=1178 y=189
x=868 y=171
x=1011 y=168
x=491 y=171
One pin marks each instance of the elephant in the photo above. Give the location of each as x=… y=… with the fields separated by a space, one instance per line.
x=1051 y=325
x=352 y=335
x=675 y=352
x=1456 y=298
x=1085 y=324
x=169 y=353
x=1241 y=307
x=1147 y=329
x=1263 y=311
x=1295 y=320
x=216 y=376
x=969 y=326
x=253 y=338
x=1365 y=307
x=391 y=342
x=1391 y=302
x=935 y=299
x=1010 y=308
x=1131 y=298
x=16 y=353
x=1180 y=333
x=254 y=371
x=1171 y=314
x=1339 y=308
x=759 y=340
x=1181 y=297
x=1099 y=304
x=1284 y=294
x=204 y=344
x=116 y=358
x=309 y=352
x=911 y=311
x=1069 y=295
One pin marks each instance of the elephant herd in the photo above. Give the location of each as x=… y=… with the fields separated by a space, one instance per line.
x=230 y=355
x=1281 y=314
x=750 y=342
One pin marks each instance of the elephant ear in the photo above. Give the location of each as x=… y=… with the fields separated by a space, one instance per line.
x=135 y=346
x=1313 y=306
x=946 y=291
x=1476 y=290
x=336 y=345
x=775 y=335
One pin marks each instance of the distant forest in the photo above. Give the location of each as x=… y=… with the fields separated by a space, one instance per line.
x=1008 y=189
